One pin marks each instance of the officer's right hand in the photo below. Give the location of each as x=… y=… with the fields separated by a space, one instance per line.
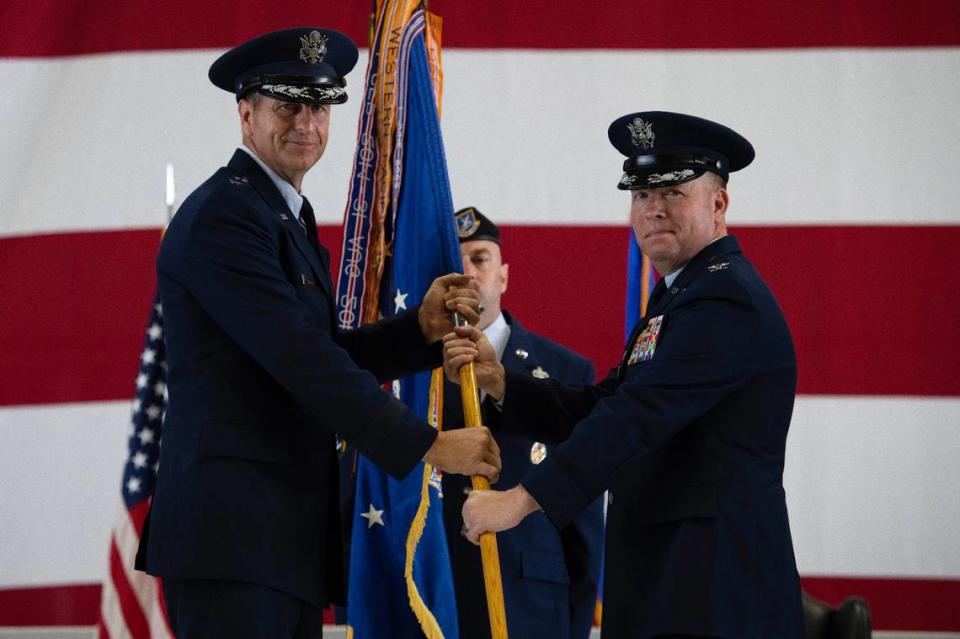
x=466 y=451
x=468 y=344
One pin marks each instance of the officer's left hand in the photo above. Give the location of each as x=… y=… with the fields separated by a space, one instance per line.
x=495 y=511
x=449 y=293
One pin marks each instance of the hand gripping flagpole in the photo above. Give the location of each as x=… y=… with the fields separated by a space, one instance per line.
x=490 y=557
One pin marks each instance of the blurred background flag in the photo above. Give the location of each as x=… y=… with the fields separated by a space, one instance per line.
x=131 y=605
x=641 y=278
x=398 y=236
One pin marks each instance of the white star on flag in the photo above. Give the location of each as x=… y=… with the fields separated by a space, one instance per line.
x=159 y=388
x=133 y=485
x=400 y=301
x=155 y=332
x=139 y=460
x=141 y=380
x=136 y=405
x=149 y=355
x=373 y=516
x=153 y=412
x=146 y=436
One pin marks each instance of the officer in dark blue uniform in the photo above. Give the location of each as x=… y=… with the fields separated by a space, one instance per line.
x=549 y=575
x=689 y=435
x=244 y=525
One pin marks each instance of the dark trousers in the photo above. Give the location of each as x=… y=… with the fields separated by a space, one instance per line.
x=215 y=609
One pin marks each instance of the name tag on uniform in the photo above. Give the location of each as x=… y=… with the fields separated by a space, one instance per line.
x=646 y=343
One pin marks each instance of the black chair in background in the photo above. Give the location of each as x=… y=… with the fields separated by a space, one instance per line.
x=849 y=620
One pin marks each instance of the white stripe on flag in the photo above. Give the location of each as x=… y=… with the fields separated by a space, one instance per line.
x=839 y=133
x=112 y=613
x=869 y=483
x=144 y=586
x=872 y=486
x=61 y=467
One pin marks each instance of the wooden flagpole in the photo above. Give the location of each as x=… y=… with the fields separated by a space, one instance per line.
x=490 y=557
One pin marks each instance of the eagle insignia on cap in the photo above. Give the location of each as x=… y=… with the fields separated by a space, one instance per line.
x=641 y=133
x=313 y=47
x=467 y=222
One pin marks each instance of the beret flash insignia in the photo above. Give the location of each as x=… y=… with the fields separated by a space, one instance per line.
x=467 y=222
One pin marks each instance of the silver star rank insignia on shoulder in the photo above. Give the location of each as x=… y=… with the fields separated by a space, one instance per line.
x=539 y=373
x=719 y=266
x=646 y=343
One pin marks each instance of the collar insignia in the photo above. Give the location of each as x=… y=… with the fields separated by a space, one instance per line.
x=719 y=266
x=646 y=343
x=538 y=452
x=641 y=133
x=239 y=180
x=313 y=48
x=467 y=223
x=539 y=373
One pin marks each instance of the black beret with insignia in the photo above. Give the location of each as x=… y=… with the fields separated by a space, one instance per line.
x=474 y=225
x=664 y=148
x=305 y=65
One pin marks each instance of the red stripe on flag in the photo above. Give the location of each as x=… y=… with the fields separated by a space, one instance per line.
x=68 y=27
x=896 y=604
x=866 y=305
x=68 y=605
x=132 y=612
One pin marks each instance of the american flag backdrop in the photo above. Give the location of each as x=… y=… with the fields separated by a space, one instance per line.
x=851 y=212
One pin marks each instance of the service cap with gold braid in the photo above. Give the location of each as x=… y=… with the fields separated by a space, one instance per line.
x=664 y=149
x=474 y=225
x=306 y=65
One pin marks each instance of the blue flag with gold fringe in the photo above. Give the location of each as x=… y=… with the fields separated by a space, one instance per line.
x=399 y=235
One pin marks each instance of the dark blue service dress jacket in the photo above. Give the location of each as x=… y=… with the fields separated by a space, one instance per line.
x=259 y=380
x=549 y=575
x=690 y=438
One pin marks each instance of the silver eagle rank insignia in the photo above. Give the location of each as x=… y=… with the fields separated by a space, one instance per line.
x=719 y=266
x=641 y=133
x=313 y=47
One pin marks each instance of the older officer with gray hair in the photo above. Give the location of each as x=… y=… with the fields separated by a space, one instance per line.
x=689 y=434
x=244 y=525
